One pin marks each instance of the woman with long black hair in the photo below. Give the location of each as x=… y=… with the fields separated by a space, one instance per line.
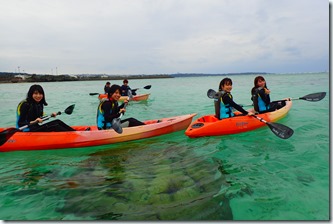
x=31 y=110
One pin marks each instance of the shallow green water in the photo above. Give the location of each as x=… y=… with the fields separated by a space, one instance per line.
x=248 y=176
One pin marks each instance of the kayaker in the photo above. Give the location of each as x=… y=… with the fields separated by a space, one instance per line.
x=224 y=103
x=107 y=87
x=261 y=98
x=125 y=87
x=30 y=112
x=108 y=110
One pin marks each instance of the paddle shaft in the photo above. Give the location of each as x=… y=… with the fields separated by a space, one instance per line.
x=116 y=123
x=145 y=87
x=279 y=130
x=6 y=134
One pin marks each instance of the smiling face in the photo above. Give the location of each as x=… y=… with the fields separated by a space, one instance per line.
x=261 y=83
x=227 y=87
x=37 y=96
x=116 y=95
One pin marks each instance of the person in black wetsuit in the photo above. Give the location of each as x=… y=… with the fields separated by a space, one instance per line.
x=107 y=87
x=261 y=98
x=31 y=110
x=224 y=102
x=125 y=87
x=109 y=109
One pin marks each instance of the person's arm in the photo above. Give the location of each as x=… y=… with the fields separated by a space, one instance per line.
x=265 y=97
x=23 y=115
x=227 y=100
x=107 y=108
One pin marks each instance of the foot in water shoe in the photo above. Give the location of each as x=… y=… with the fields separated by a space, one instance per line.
x=88 y=129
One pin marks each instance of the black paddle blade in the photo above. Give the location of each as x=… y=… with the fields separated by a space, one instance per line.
x=280 y=130
x=129 y=94
x=93 y=94
x=147 y=87
x=6 y=134
x=117 y=126
x=314 y=96
x=69 y=110
x=211 y=93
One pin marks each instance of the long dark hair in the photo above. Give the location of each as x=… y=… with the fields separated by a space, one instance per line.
x=36 y=88
x=256 y=79
x=113 y=89
x=223 y=82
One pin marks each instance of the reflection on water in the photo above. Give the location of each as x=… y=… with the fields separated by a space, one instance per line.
x=248 y=176
x=150 y=184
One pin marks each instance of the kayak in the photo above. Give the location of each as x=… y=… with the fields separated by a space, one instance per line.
x=140 y=97
x=86 y=136
x=209 y=125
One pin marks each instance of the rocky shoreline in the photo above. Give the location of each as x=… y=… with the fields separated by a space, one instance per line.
x=25 y=77
x=7 y=77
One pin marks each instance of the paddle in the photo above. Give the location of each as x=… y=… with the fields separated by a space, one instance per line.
x=145 y=87
x=313 y=97
x=211 y=94
x=116 y=123
x=279 y=130
x=133 y=90
x=9 y=132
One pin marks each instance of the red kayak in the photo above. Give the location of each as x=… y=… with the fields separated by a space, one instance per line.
x=90 y=136
x=209 y=125
x=140 y=97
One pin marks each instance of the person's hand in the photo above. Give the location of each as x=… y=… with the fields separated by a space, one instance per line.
x=287 y=99
x=38 y=120
x=53 y=114
x=250 y=114
x=125 y=101
x=267 y=91
x=122 y=110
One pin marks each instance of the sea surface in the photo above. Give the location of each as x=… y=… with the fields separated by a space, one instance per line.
x=249 y=176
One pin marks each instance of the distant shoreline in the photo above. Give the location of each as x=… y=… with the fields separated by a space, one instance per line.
x=9 y=77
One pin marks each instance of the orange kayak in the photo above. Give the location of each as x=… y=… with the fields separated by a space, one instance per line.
x=140 y=97
x=209 y=125
x=93 y=137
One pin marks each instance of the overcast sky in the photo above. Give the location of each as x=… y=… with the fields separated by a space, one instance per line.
x=163 y=36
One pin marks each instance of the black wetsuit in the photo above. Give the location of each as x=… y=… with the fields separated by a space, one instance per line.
x=28 y=112
x=111 y=111
x=124 y=90
x=266 y=100
x=227 y=100
x=106 y=89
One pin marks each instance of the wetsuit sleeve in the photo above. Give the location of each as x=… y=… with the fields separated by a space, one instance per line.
x=254 y=98
x=107 y=108
x=265 y=97
x=227 y=100
x=23 y=115
x=123 y=90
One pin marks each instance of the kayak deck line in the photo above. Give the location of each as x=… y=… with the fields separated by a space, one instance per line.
x=86 y=136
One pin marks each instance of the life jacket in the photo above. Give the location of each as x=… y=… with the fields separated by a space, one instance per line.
x=261 y=106
x=101 y=123
x=34 y=111
x=222 y=110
